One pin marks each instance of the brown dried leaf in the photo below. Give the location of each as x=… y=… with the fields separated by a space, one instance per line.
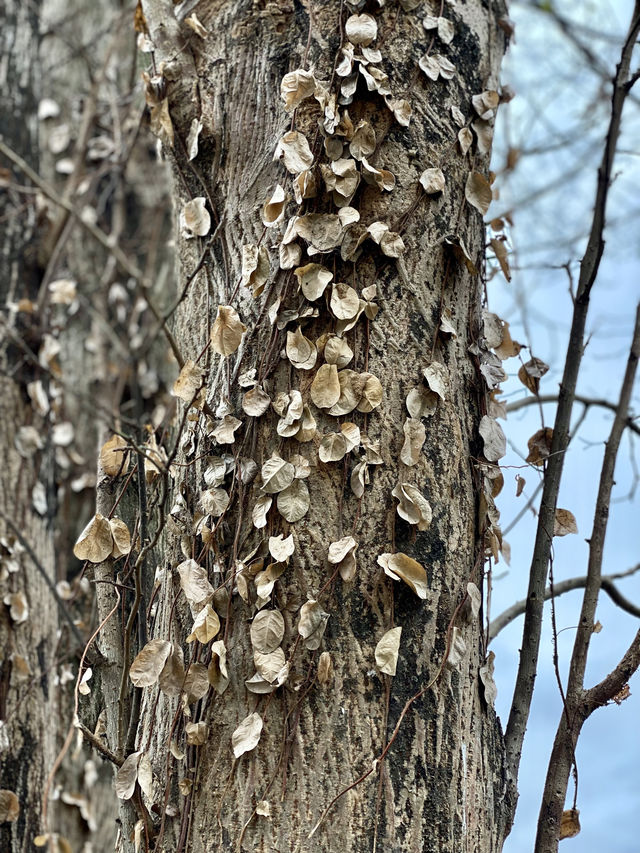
x=256 y=402
x=195 y=584
x=276 y=474
x=95 y=543
x=569 y=823
x=293 y=149
x=301 y=352
x=127 y=776
x=227 y=331
x=361 y=29
x=196 y=682
x=312 y=624
x=325 y=388
x=205 y=626
x=217 y=672
x=267 y=631
x=188 y=383
x=171 y=679
x=325 y=668
x=197 y=733
x=260 y=510
x=486 y=677
x=293 y=502
x=195 y=219
x=371 y=393
x=432 y=181
x=149 y=663
x=255 y=268
x=531 y=373
x=121 y=538
x=477 y=192
x=247 y=735
x=539 y=446
x=402 y=567
x=113 y=457
x=271 y=666
x=565 y=523
x=280 y=548
x=9 y=806
x=295 y=87
x=313 y=280
x=495 y=442
x=412 y=505
x=414 y=437
x=387 y=651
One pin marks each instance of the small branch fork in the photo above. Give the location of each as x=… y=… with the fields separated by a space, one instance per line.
x=525 y=680
x=580 y=703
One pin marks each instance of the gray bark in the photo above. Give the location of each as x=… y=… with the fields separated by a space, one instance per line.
x=441 y=786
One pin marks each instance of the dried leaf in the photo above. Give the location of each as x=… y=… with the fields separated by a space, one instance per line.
x=217 y=671
x=295 y=87
x=256 y=402
x=95 y=543
x=313 y=280
x=281 y=549
x=436 y=376
x=432 y=181
x=113 y=457
x=343 y=555
x=565 y=523
x=205 y=626
x=227 y=331
x=414 y=437
x=421 y=403
x=531 y=373
x=293 y=149
x=457 y=650
x=486 y=677
x=255 y=268
x=465 y=141
x=325 y=388
x=196 y=683
x=301 y=352
x=323 y=231
x=402 y=567
x=345 y=301
x=387 y=651
x=361 y=29
x=224 y=433
x=270 y=666
x=195 y=584
x=247 y=735
x=197 y=733
x=477 y=192
x=9 y=806
x=171 y=679
x=273 y=208
x=293 y=502
x=495 y=442
x=188 y=383
x=371 y=393
x=337 y=351
x=539 y=446
x=121 y=538
x=412 y=505
x=312 y=624
x=160 y=122
x=333 y=447
x=149 y=662
x=260 y=510
x=127 y=776
x=18 y=607
x=276 y=474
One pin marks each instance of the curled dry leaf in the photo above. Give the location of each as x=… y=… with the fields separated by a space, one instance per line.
x=414 y=437
x=280 y=548
x=361 y=29
x=344 y=302
x=421 y=403
x=205 y=626
x=343 y=555
x=477 y=192
x=195 y=219
x=95 y=543
x=313 y=280
x=113 y=457
x=457 y=649
x=171 y=679
x=402 y=567
x=127 y=776
x=301 y=352
x=276 y=475
x=323 y=231
x=495 y=441
x=337 y=351
x=255 y=268
x=195 y=584
x=387 y=651
x=486 y=103
x=486 y=677
x=295 y=87
x=333 y=447
x=272 y=666
x=273 y=209
x=256 y=402
x=500 y=251
x=412 y=505
x=227 y=331
x=224 y=433
x=371 y=393
x=539 y=446
x=194 y=136
x=217 y=672
x=312 y=624
x=188 y=383
x=121 y=538
x=465 y=141
x=325 y=388
x=9 y=806
x=149 y=663
x=401 y=110
x=197 y=733
x=196 y=683
x=293 y=502
x=436 y=376
x=531 y=373
x=363 y=141
x=380 y=178
x=293 y=149
x=325 y=668
x=260 y=510
x=471 y=607
x=247 y=735
x=267 y=631
x=432 y=181
x=565 y=523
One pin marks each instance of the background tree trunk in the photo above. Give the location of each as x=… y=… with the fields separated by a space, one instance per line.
x=441 y=786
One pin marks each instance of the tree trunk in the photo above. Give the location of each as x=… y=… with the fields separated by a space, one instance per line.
x=441 y=785
x=28 y=622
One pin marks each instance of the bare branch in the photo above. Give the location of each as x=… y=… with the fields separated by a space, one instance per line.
x=526 y=676
x=562 y=587
x=579 y=398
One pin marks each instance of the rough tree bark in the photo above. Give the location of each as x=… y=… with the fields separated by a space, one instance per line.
x=441 y=787
x=28 y=622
